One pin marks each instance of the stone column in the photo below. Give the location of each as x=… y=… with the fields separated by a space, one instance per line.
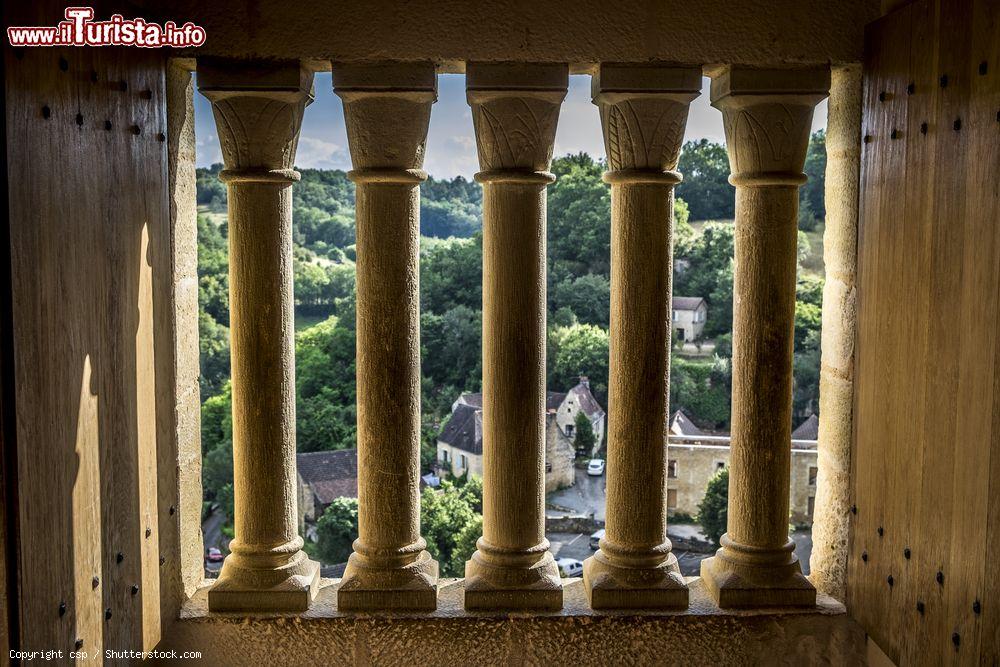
x=258 y=111
x=828 y=563
x=514 y=109
x=767 y=116
x=643 y=113
x=387 y=109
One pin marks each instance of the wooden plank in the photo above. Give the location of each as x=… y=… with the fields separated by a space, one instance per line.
x=883 y=158
x=978 y=437
x=942 y=358
x=88 y=204
x=921 y=170
x=896 y=336
x=55 y=458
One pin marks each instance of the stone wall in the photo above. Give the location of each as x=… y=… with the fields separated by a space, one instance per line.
x=697 y=464
x=560 y=454
x=452 y=32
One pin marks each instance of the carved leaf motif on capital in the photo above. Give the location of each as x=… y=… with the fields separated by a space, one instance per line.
x=515 y=133
x=643 y=134
x=258 y=132
x=767 y=137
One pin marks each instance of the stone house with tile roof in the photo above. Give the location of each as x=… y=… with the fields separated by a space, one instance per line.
x=322 y=477
x=460 y=444
x=688 y=317
x=695 y=456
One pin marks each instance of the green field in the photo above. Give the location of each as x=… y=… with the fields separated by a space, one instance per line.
x=306 y=321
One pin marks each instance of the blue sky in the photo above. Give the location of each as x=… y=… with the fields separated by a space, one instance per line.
x=451 y=145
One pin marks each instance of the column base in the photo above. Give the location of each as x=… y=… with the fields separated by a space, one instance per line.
x=292 y=587
x=743 y=577
x=534 y=585
x=612 y=587
x=411 y=587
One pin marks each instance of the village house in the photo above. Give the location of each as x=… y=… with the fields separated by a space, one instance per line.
x=567 y=406
x=689 y=313
x=322 y=478
x=695 y=456
x=460 y=445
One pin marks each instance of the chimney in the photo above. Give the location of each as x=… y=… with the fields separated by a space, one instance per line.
x=585 y=381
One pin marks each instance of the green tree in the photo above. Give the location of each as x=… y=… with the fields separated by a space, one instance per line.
x=211 y=192
x=705 y=269
x=213 y=269
x=809 y=289
x=683 y=232
x=713 y=510
x=581 y=349
x=217 y=449
x=452 y=345
x=449 y=218
x=213 y=344
x=588 y=296
x=311 y=283
x=706 y=188
x=451 y=522
x=450 y=208
x=703 y=389
x=579 y=221
x=336 y=530
x=326 y=413
x=805 y=381
x=583 y=438
x=451 y=274
x=806 y=362
x=812 y=193
x=808 y=322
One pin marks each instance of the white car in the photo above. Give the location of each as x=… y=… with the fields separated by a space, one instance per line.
x=570 y=567
x=595 y=540
x=595 y=467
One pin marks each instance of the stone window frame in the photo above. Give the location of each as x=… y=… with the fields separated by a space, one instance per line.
x=839 y=319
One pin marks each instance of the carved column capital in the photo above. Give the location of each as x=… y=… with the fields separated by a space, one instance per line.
x=387 y=108
x=515 y=108
x=258 y=110
x=644 y=111
x=767 y=116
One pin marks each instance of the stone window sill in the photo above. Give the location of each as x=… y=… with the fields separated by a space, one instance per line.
x=701 y=634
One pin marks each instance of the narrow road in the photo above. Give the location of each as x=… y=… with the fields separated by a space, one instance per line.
x=211 y=530
x=584 y=497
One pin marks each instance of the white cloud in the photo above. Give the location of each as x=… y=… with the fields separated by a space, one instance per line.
x=317 y=153
x=463 y=141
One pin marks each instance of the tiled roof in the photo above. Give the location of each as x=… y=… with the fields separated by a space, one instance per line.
x=330 y=474
x=475 y=400
x=687 y=302
x=681 y=424
x=588 y=404
x=464 y=428
x=807 y=430
x=554 y=399
x=461 y=430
